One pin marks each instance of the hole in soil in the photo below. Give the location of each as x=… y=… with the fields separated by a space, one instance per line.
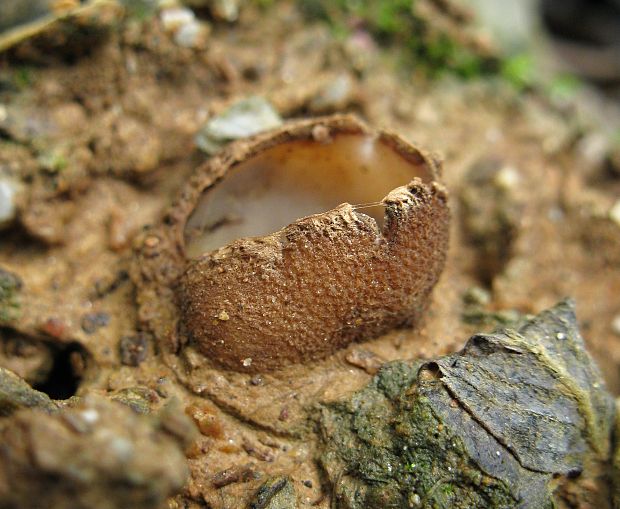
x=67 y=371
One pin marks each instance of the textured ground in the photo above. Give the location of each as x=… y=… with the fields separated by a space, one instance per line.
x=101 y=139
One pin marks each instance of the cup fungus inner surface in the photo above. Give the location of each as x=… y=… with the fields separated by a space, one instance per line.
x=296 y=179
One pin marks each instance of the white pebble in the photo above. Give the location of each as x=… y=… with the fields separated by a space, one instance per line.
x=8 y=210
x=122 y=448
x=614 y=213
x=90 y=415
x=191 y=34
x=507 y=178
x=245 y=118
x=615 y=325
x=176 y=17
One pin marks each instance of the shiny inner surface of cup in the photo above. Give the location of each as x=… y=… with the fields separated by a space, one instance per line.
x=296 y=179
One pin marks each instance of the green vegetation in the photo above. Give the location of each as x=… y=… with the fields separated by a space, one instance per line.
x=397 y=452
x=23 y=77
x=140 y=9
x=53 y=161
x=399 y=25
x=465 y=430
x=519 y=70
x=9 y=302
x=563 y=87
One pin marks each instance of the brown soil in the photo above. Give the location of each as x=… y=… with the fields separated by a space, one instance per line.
x=529 y=226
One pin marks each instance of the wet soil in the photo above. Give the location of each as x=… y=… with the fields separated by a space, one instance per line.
x=103 y=141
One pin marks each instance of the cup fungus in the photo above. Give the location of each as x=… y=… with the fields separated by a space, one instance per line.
x=271 y=279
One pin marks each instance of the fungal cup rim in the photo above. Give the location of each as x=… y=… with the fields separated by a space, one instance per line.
x=427 y=172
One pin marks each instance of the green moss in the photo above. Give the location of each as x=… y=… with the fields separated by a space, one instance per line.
x=53 y=161
x=563 y=87
x=264 y=4
x=519 y=70
x=23 y=77
x=474 y=314
x=16 y=394
x=397 y=453
x=9 y=296
x=140 y=9
x=397 y=24
x=491 y=426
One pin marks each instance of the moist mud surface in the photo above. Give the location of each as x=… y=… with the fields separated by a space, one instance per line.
x=99 y=140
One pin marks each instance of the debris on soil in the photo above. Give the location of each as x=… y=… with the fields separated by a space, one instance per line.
x=25 y=356
x=499 y=424
x=188 y=31
x=93 y=453
x=278 y=493
x=59 y=22
x=16 y=394
x=437 y=36
x=491 y=214
x=10 y=285
x=240 y=473
x=100 y=111
x=335 y=95
x=134 y=349
x=365 y=360
x=8 y=201
x=242 y=120
x=91 y=322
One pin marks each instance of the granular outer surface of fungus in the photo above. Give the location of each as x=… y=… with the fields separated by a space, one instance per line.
x=273 y=280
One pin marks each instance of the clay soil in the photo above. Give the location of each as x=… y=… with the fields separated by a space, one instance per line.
x=102 y=139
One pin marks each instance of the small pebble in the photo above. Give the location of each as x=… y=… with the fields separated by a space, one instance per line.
x=174 y=18
x=151 y=241
x=507 y=178
x=284 y=414
x=228 y=10
x=192 y=35
x=334 y=96
x=321 y=134
x=364 y=359
x=91 y=322
x=8 y=209
x=477 y=295
x=244 y=118
x=614 y=213
x=615 y=325
x=55 y=327
x=133 y=349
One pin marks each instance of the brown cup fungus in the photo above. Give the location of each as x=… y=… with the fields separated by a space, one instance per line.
x=271 y=279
